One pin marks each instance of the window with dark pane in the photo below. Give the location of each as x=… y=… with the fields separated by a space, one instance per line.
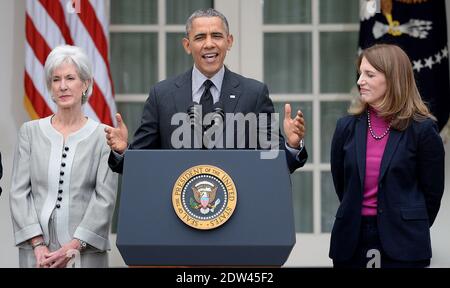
x=288 y=62
x=134 y=62
x=287 y=11
x=136 y=12
x=177 y=11
x=338 y=52
x=302 y=197
x=330 y=112
x=177 y=60
x=341 y=11
x=329 y=202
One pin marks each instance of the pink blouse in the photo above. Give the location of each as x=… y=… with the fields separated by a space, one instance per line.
x=374 y=155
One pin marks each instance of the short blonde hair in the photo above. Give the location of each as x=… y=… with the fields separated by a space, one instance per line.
x=402 y=102
x=76 y=56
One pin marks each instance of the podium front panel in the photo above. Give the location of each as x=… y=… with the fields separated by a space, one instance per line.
x=260 y=231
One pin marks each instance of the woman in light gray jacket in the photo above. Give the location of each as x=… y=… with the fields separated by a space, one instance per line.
x=63 y=192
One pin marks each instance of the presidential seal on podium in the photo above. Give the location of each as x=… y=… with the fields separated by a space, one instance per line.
x=204 y=197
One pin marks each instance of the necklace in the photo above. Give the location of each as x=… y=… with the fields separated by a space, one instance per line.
x=376 y=137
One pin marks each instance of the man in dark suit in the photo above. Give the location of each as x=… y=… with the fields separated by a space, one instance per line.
x=208 y=83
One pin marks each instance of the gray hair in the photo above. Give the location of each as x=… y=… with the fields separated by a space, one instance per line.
x=210 y=12
x=74 y=55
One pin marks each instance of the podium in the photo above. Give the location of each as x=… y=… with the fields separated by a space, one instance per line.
x=260 y=232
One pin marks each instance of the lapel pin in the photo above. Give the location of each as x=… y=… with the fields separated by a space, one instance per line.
x=232 y=96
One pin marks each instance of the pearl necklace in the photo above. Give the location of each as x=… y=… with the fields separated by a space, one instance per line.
x=376 y=137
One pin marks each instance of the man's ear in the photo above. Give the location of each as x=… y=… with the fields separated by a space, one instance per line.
x=186 y=45
x=230 y=40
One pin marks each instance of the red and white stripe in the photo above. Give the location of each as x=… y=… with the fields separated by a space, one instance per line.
x=49 y=24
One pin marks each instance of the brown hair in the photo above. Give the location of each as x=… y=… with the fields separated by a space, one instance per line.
x=402 y=102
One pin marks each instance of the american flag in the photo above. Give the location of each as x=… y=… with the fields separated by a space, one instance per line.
x=83 y=23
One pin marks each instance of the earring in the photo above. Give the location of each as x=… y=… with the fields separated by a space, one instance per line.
x=84 y=93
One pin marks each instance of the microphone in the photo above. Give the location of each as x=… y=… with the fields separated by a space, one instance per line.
x=218 y=114
x=194 y=112
x=213 y=133
x=202 y=131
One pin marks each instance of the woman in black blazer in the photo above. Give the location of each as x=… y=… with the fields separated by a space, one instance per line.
x=387 y=162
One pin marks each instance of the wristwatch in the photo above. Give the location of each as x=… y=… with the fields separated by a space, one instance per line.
x=37 y=244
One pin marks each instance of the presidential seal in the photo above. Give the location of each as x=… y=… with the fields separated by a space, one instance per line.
x=204 y=197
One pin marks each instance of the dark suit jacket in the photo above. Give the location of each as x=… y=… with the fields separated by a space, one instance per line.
x=410 y=188
x=174 y=95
